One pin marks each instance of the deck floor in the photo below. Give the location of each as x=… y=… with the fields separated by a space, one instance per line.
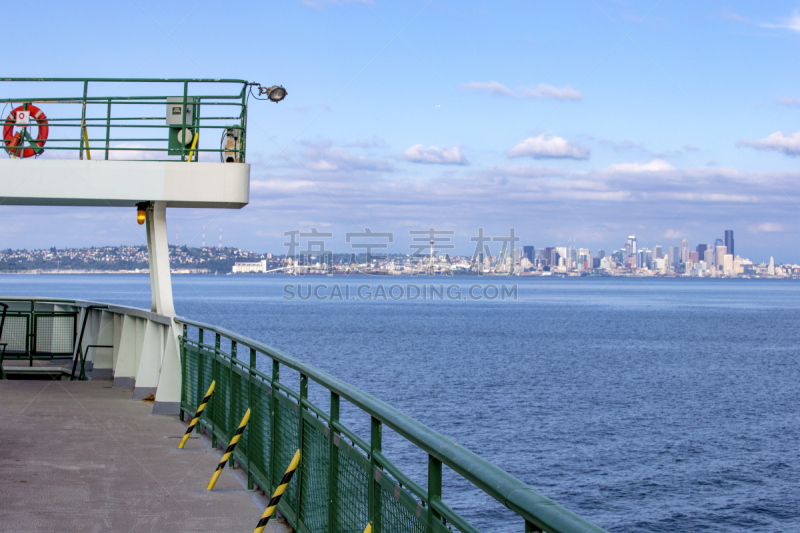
x=82 y=456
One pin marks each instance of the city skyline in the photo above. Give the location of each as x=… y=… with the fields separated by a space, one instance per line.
x=630 y=259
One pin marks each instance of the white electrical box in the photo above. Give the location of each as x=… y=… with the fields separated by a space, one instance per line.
x=175 y=110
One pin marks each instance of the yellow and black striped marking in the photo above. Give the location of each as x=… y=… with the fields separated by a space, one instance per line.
x=273 y=503
x=199 y=412
x=229 y=451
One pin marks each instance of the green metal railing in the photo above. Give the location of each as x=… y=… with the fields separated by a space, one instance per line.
x=83 y=118
x=343 y=482
x=31 y=333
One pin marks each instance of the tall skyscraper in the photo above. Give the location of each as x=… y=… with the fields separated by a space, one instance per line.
x=658 y=252
x=708 y=257
x=527 y=252
x=719 y=258
x=684 y=251
x=673 y=256
x=729 y=241
x=701 y=250
x=631 y=246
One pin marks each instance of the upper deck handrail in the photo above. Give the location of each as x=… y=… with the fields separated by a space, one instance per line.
x=137 y=80
x=99 y=127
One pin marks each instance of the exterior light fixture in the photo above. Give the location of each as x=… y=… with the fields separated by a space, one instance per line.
x=276 y=93
x=141 y=210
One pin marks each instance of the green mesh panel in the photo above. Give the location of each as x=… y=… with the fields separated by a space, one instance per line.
x=260 y=431
x=205 y=375
x=15 y=331
x=239 y=403
x=286 y=427
x=397 y=517
x=351 y=499
x=314 y=501
x=55 y=334
x=222 y=401
x=189 y=378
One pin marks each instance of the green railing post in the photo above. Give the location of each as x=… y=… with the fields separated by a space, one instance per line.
x=434 y=489
x=376 y=429
x=333 y=466
x=300 y=437
x=216 y=371
x=182 y=136
x=254 y=404
x=196 y=123
x=273 y=406
x=233 y=414
x=83 y=117
x=201 y=374
x=531 y=528
x=30 y=339
x=243 y=134
x=182 y=355
x=108 y=129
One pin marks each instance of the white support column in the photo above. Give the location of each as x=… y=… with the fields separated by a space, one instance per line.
x=118 y=319
x=168 y=395
x=158 y=253
x=90 y=337
x=103 y=358
x=125 y=364
x=149 y=361
x=168 y=367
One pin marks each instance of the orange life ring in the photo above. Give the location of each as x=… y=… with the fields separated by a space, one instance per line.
x=12 y=139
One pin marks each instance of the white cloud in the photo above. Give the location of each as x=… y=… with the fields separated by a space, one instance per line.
x=788 y=101
x=788 y=143
x=549 y=147
x=672 y=234
x=435 y=155
x=543 y=90
x=283 y=186
x=767 y=227
x=789 y=23
x=491 y=87
x=656 y=165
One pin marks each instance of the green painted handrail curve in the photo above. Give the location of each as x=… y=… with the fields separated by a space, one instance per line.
x=500 y=485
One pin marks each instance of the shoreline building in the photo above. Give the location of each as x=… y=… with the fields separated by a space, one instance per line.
x=245 y=268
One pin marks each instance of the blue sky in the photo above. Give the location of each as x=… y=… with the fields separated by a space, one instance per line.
x=581 y=120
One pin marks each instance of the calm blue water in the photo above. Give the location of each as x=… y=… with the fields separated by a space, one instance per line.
x=642 y=405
